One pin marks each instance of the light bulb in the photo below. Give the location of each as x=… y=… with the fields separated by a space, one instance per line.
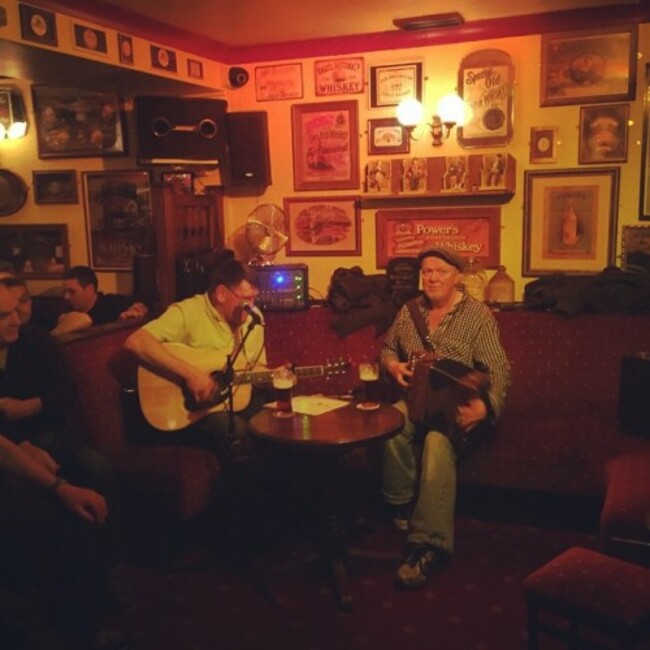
x=451 y=109
x=410 y=112
x=17 y=130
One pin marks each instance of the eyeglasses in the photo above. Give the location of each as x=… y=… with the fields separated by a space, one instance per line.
x=250 y=298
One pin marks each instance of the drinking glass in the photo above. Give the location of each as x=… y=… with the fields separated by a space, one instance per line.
x=283 y=382
x=369 y=376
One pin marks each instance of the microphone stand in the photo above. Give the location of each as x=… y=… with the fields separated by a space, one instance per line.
x=229 y=374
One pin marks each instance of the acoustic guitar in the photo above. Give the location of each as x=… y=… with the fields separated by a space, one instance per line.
x=167 y=405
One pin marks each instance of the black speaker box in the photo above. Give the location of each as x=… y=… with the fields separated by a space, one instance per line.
x=181 y=129
x=249 y=162
x=633 y=412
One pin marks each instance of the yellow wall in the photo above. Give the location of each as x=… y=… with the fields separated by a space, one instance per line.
x=440 y=65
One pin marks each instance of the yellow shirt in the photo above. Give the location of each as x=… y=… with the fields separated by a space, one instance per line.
x=196 y=323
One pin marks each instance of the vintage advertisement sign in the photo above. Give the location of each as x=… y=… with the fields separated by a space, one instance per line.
x=486 y=80
x=471 y=232
x=339 y=76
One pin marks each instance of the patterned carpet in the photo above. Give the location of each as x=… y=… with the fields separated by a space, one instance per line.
x=476 y=603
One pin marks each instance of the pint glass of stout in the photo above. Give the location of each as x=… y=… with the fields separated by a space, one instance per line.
x=283 y=382
x=369 y=376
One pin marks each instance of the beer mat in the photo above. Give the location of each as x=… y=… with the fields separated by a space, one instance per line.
x=312 y=404
x=368 y=406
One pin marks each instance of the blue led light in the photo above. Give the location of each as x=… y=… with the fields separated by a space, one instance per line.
x=279 y=279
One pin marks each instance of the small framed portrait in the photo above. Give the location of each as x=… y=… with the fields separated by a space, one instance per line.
x=38 y=25
x=543 y=144
x=194 y=69
x=55 y=186
x=125 y=49
x=603 y=133
x=89 y=38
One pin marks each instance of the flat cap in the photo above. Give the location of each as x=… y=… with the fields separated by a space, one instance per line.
x=445 y=253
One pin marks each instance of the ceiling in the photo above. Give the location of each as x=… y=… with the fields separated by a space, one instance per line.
x=256 y=22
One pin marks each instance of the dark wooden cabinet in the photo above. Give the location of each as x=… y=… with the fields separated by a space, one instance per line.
x=185 y=224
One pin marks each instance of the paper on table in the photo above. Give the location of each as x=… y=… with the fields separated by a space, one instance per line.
x=313 y=404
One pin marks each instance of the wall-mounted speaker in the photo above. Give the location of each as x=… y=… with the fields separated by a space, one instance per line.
x=237 y=77
x=249 y=162
x=180 y=129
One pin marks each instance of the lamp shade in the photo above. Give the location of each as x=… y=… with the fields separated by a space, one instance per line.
x=452 y=109
x=410 y=112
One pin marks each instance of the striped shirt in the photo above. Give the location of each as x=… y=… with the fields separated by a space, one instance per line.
x=468 y=333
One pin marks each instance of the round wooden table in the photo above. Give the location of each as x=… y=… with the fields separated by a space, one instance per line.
x=322 y=440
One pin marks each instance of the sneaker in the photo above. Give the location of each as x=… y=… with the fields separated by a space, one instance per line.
x=419 y=564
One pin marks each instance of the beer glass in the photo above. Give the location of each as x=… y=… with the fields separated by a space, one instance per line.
x=369 y=376
x=283 y=382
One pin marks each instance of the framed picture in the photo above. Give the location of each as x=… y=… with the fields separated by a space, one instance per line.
x=485 y=82
x=570 y=221
x=38 y=25
x=118 y=218
x=125 y=49
x=273 y=82
x=55 y=187
x=328 y=225
x=472 y=232
x=74 y=123
x=644 y=202
x=382 y=176
x=37 y=251
x=589 y=66
x=390 y=84
x=325 y=146
x=339 y=76
x=603 y=133
x=194 y=69
x=387 y=136
x=89 y=38
x=543 y=144
x=635 y=248
x=163 y=58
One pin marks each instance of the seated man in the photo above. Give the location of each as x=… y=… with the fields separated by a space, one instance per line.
x=215 y=323
x=34 y=394
x=90 y=306
x=419 y=478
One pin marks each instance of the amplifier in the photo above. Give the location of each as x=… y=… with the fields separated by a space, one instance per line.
x=283 y=287
x=633 y=416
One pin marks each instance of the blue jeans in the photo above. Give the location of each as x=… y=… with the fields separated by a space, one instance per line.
x=424 y=470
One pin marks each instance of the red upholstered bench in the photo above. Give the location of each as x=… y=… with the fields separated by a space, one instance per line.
x=625 y=516
x=162 y=486
x=584 y=589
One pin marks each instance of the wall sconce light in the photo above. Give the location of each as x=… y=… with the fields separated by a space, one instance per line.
x=409 y=114
x=13 y=116
x=451 y=112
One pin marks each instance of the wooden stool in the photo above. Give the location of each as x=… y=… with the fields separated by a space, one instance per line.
x=585 y=588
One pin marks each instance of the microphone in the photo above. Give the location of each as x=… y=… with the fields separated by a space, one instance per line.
x=257 y=319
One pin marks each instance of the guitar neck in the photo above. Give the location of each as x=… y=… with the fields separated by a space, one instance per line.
x=263 y=376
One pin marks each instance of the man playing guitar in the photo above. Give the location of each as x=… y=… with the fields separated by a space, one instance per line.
x=221 y=322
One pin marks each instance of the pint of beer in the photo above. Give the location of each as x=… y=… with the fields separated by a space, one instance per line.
x=369 y=376
x=283 y=382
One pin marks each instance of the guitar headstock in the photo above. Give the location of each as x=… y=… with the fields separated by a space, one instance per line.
x=336 y=367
